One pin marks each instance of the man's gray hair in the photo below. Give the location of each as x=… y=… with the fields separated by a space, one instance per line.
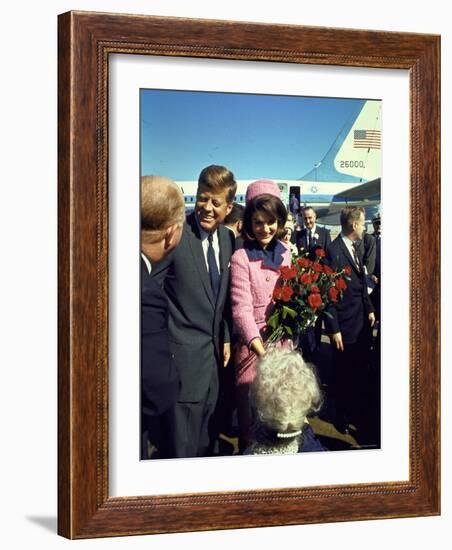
x=284 y=391
x=162 y=203
x=310 y=208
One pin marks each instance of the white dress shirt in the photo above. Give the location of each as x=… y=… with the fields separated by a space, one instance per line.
x=147 y=262
x=205 y=245
x=310 y=235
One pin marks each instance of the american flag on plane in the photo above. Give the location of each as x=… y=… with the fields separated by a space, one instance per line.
x=367 y=139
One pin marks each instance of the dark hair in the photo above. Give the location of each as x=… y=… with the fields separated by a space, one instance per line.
x=235 y=215
x=269 y=205
x=216 y=179
x=309 y=208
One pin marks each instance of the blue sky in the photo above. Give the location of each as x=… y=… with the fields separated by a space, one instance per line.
x=256 y=136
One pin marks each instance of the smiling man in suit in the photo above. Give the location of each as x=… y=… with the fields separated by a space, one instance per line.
x=196 y=281
x=308 y=240
x=349 y=325
x=312 y=236
x=162 y=218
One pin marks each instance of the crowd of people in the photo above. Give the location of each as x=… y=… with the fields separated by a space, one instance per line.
x=207 y=282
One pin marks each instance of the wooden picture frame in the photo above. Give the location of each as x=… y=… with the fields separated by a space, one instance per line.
x=86 y=40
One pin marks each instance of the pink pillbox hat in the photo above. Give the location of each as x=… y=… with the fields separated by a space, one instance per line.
x=262 y=187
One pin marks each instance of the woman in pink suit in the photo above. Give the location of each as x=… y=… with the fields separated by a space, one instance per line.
x=254 y=273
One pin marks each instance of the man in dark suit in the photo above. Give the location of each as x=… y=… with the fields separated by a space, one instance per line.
x=308 y=240
x=367 y=250
x=162 y=218
x=196 y=278
x=227 y=399
x=312 y=236
x=375 y=297
x=234 y=222
x=349 y=323
x=376 y=274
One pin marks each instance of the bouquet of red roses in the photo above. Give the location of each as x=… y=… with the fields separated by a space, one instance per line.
x=303 y=291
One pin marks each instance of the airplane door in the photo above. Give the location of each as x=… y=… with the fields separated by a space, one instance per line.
x=294 y=193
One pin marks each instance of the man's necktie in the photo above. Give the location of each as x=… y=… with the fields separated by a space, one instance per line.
x=309 y=239
x=356 y=255
x=214 y=274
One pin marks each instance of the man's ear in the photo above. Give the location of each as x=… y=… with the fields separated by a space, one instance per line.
x=229 y=208
x=169 y=235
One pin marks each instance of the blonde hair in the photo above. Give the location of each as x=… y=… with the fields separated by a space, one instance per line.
x=350 y=214
x=284 y=391
x=162 y=205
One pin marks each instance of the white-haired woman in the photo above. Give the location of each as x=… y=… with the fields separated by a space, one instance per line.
x=289 y=237
x=284 y=391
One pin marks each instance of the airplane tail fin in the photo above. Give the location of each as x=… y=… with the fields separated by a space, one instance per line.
x=355 y=155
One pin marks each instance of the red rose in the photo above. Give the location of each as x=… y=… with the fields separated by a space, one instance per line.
x=283 y=270
x=288 y=272
x=286 y=293
x=320 y=252
x=315 y=276
x=306 y=279
x=333 y=293
x=315 y=300
x=277 y=293
x=317 y=267
x=348 y=270
x=341 y=284
x=327 y=270
x=315 y=288
x=303 y=262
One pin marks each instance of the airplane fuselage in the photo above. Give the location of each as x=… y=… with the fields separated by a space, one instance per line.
x=308 y=192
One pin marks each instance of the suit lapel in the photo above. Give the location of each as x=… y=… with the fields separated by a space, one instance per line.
x=348 y=256
x=319 y=241
x=199 y=259
x=144 y=269
x=304 y=238
x=145 y=275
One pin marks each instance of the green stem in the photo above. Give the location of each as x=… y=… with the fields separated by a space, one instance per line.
x=276 y=335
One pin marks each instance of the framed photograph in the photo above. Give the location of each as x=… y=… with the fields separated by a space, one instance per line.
x=106 y=64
